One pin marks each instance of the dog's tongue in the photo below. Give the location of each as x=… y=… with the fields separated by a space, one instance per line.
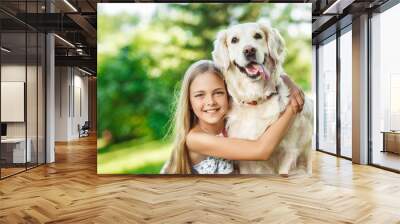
x=254 y=69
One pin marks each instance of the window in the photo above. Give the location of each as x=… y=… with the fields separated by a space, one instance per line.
x=327 y=96
x=346 y=94
x=385 y=88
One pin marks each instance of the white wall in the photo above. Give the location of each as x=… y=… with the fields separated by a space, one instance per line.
x=71 y=93
x=13 y=73
x=61 y=103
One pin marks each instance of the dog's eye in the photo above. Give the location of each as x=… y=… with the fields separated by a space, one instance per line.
x=234 y=40
x=257 y=36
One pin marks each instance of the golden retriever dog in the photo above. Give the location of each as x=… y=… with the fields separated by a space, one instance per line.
x=251 y=57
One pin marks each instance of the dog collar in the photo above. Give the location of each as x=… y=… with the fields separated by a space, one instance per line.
x=252 y=103
x=261 y=99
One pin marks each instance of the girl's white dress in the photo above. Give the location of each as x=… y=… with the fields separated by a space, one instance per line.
x=213 y=165
x=210 y=165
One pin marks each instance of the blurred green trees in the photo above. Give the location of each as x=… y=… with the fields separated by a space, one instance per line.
x=141 y=64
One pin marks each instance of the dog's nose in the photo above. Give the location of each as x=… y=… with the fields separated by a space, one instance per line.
x=249 y=52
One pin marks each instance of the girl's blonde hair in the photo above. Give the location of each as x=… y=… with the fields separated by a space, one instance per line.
x=185 y=119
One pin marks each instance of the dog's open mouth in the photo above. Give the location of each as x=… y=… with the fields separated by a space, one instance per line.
x=253 y=70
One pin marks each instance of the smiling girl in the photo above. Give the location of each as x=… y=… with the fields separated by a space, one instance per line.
x=200 y=143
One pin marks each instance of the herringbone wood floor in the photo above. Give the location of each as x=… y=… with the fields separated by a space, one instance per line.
x=70 y=191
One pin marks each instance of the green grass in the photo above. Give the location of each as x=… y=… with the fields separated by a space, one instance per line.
x=137 y=143
x=150 y=168
x=133 y=157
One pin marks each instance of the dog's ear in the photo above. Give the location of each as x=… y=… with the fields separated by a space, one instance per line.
x=220 y=53
x=275 y=43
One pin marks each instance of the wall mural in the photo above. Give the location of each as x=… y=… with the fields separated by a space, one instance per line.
x=204 y=89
